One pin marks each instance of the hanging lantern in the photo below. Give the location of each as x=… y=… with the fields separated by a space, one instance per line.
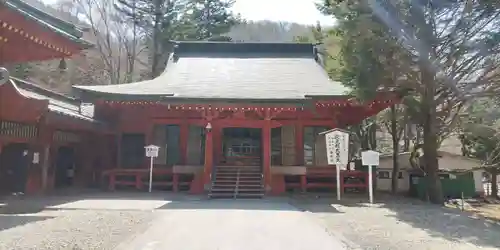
x=62 y=64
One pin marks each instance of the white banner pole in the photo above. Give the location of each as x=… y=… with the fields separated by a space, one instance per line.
x=151 y=174
x=370 y=183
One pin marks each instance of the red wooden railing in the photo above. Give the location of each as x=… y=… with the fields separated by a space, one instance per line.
x=329 y=172
x=140 y=176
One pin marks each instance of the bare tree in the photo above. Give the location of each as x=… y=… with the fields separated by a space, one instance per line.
x=118 y=43
x=392 y=121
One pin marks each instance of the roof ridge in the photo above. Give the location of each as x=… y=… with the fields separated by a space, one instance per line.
x=66 y=26
x=235 y=42
x=41 y=90
x=248 y=48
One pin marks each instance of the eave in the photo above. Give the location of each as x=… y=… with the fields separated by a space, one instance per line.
x=61 y=27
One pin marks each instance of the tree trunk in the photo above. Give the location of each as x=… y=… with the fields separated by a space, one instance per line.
x=430 y=147
x=395 y=150
x=407 y=133
x=156 y=39
x=494 y=183
x=372 y=135
x=418 y=135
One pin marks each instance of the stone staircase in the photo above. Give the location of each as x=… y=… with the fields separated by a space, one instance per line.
x=237 y=182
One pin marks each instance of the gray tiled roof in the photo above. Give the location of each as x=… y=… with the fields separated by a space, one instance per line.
x=58 y=103
x=59 y=26
x=210 y=70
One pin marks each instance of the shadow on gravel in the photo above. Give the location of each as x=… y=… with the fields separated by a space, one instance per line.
x=10 y=221
x=323 y=203
x=437 y=221
x=268 y=204
x=64 y=200
x=445 y=223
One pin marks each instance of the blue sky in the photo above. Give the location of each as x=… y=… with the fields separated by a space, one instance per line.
x=299 y=11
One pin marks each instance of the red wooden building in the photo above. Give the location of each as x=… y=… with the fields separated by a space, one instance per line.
x=232 y=119
x=43 y=134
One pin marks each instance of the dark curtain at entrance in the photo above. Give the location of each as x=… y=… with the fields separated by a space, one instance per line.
x=14 y=163
x=132 y=150
x=173 y=145
x=65 y=164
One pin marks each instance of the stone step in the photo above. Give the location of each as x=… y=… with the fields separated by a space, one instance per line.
x=238 y=181
x=250 y=196
x=221 y=196
x=240 y=172
x=217 y=183
x=241 y=168
x=241 y=175
x=234 y=184
x=239 y=189
x=229 y=167
x=222 y=190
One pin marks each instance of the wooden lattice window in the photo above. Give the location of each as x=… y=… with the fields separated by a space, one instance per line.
x=16 y=129
x=64 y=136
x=311 y=136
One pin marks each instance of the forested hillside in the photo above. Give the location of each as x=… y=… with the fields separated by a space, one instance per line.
x=127 y=57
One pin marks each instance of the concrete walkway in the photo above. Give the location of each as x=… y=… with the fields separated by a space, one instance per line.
x=230 y=225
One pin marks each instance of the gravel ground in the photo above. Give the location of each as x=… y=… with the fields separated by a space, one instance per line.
x=70 y=229
x=73 y=224
x=402 y=224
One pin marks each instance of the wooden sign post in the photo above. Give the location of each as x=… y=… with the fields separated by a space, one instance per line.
x=337 y=148
x=370 y=158
x=151 y=152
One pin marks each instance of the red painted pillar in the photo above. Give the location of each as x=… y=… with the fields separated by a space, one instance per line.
x=266 y=155
x=299 y=144
x=217 y=135
x=209 y=154
x=118 y=140
x=175 y=184
x=45 y=139
x=303 y=183
x=184 y=137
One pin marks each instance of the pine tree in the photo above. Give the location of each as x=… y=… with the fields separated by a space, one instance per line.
x=161 y=20
x=210 y=20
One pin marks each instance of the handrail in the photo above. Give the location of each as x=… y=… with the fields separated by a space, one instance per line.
x=237 y=184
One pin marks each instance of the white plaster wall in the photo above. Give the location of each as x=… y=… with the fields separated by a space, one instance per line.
x=385 y=184
x=403 y=160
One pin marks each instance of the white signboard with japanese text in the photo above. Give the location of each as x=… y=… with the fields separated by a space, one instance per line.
x=370 y=158
x=152 y=151
x=337 y=147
